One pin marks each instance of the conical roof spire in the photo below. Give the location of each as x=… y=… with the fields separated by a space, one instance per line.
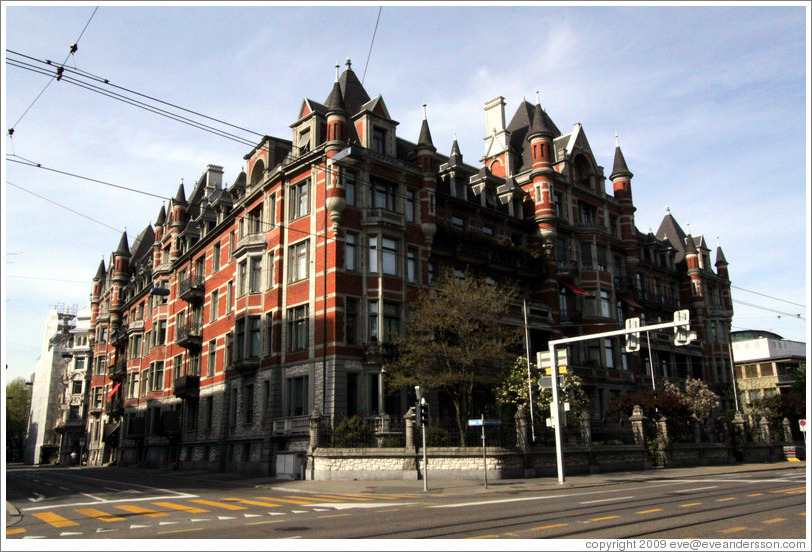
x=123 y=246
x=100 y=272
x=619 y=168
x=161 y=217
x=180 y=197
x=456 y=157
x=720 y=257
x=335 y=101
x=425 y=135
x=539 y=125
x=690 y=246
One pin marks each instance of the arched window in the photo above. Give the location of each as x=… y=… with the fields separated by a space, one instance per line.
x=583 y=172
x=257 y=172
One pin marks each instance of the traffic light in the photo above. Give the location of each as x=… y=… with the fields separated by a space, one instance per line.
x=423 y=413
x=632 y=339
x=682 y=333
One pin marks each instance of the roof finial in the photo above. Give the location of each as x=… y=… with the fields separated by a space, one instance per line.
x=348 y=63
x=718 y=243
x=689 y=227
x=667 y=210
x=424 y=112
x=337 y=66
x=538 y=98
x=617 y=140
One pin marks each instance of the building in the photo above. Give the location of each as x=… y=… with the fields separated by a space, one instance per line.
x=45 y=426
x=247 y=308
x=765 y=363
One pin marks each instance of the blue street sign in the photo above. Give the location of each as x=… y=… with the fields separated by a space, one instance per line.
x=480 y=422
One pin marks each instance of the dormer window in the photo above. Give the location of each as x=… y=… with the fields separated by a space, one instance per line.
x=379 y=140
x=304 y=142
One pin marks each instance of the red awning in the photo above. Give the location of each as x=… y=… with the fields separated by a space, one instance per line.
x=631 y=301
x=113 y=390
x=575 y=288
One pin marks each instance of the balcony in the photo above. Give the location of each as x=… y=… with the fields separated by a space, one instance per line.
x=622 y=283
x=119 y=336
x=245 y=365
x=256 y=240
x=114 y=409
x=187 y=387
x=192 y=289
x=376 y=353
x=295 y=425
x=190 y=336
x=136 y=326
x=376 y=216
x=118 y=370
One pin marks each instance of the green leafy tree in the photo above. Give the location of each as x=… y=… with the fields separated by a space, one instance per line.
x=18 y=405
x=514 y=390
x=456 y=341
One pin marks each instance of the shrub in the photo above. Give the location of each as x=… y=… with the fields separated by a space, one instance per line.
x=352 y=433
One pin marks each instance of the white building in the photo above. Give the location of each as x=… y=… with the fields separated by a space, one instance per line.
x=42 y=442
x=766 y=364
x=76 y=391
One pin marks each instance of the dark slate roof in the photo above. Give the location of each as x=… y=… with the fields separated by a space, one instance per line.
x=180 y=197
x=123 y=246
x=720 y=257
x=352 y=91
x=539 y=124
x=100 y=272
x=519 y=129
x=335 y=101
x=690 y=245
x=425 y=136
x=671 y=231
x=161 y=217
x=456 y=157
x=142 y=245
x=620 y=168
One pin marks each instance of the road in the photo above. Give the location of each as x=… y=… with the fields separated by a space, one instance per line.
x=702 y=503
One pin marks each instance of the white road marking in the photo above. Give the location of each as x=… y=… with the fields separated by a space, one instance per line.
x=37 y=497
x=605 y=500
x=69 y=533
x=697 y=489
x=252 y=515
x=196 y=520
x=168 y=523
x=100 y=530
x=225 y=517
x=139 y=526
x=350 y=505
x=97 y=499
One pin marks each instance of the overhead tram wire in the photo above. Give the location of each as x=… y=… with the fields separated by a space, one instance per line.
x=73 y=49
x=769 y=296
x=798 y=316
x=63 y=206
x=369 y=54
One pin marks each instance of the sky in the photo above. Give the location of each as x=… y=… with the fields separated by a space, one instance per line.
x=709 y=104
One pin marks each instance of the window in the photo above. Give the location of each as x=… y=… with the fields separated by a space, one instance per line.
x=215 y=302
x=297 y=396
x=411 y=264
x=606 y=309
x=158 y=376
x=372 y=321
x=254 y=337
x=349 y=187
x=351 y=321
x=269 y=271
x=229 y=356
x=255 y=220
x=254 y=274
x=239 y=341
x=558 y=204
x=609 y=352
x=588 y=214
x=248 y=403
x=458 y=223
x=80 y=362
x=215 y=258
x=230 y=297
x=603 y=263
x=383 y=195
x=351 y=251
x=77 y=387
x=298 y=257
x=379 y=140
x=391 y=322
x=135 y=346
x=297 y=328
x=388 y=257
x=458 y=188
x=160 y=333
x=272 y=211
x=299 y=199
x=231 y=243
x=373 y=254
x=212 y=358
x=268 y=334
x=242 y=273
x=410 y=206
x=488 y=230
x=208 y=412
x=98 y=395
x=586 y=255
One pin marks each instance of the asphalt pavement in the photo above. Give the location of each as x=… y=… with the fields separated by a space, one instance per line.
x=459 y=487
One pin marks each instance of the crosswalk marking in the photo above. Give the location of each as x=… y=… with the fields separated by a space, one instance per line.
x=139 y=510
x=98 y=514
x=217 y=504
x=183 y=507
x=253 y=502
x=287 y=501
x=55 y=519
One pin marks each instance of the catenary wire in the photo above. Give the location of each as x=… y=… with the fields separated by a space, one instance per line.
x=768 y=296
x=369 y=54
x=72 y=50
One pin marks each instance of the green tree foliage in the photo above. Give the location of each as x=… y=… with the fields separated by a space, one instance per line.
x=353 y=432
x=457 y=341
x=18 y=405
x=514 y=390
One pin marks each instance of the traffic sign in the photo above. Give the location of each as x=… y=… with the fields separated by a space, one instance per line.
x=480 y=422
x=544 y=358
x=802 y=423
x=546 y=382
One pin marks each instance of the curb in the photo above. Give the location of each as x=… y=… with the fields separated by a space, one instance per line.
x=13 y=515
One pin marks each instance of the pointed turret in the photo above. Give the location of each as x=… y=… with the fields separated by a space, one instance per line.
x=123 y=247
x=100 y=273
x=456 y=157
x=161 y=217
x=336 y=119
x=721 y=264
x=180 y=197
x=619 y=169
x=424 y=141
x=425 y=147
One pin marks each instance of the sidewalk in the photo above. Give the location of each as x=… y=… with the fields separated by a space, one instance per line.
x=463 y=487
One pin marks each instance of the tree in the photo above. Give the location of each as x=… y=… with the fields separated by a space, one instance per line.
x=18 y=405
x=514 y=390
x=701 y=400
x=457 y=341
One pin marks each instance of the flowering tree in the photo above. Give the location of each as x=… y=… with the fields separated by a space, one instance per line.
x=701 y=400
